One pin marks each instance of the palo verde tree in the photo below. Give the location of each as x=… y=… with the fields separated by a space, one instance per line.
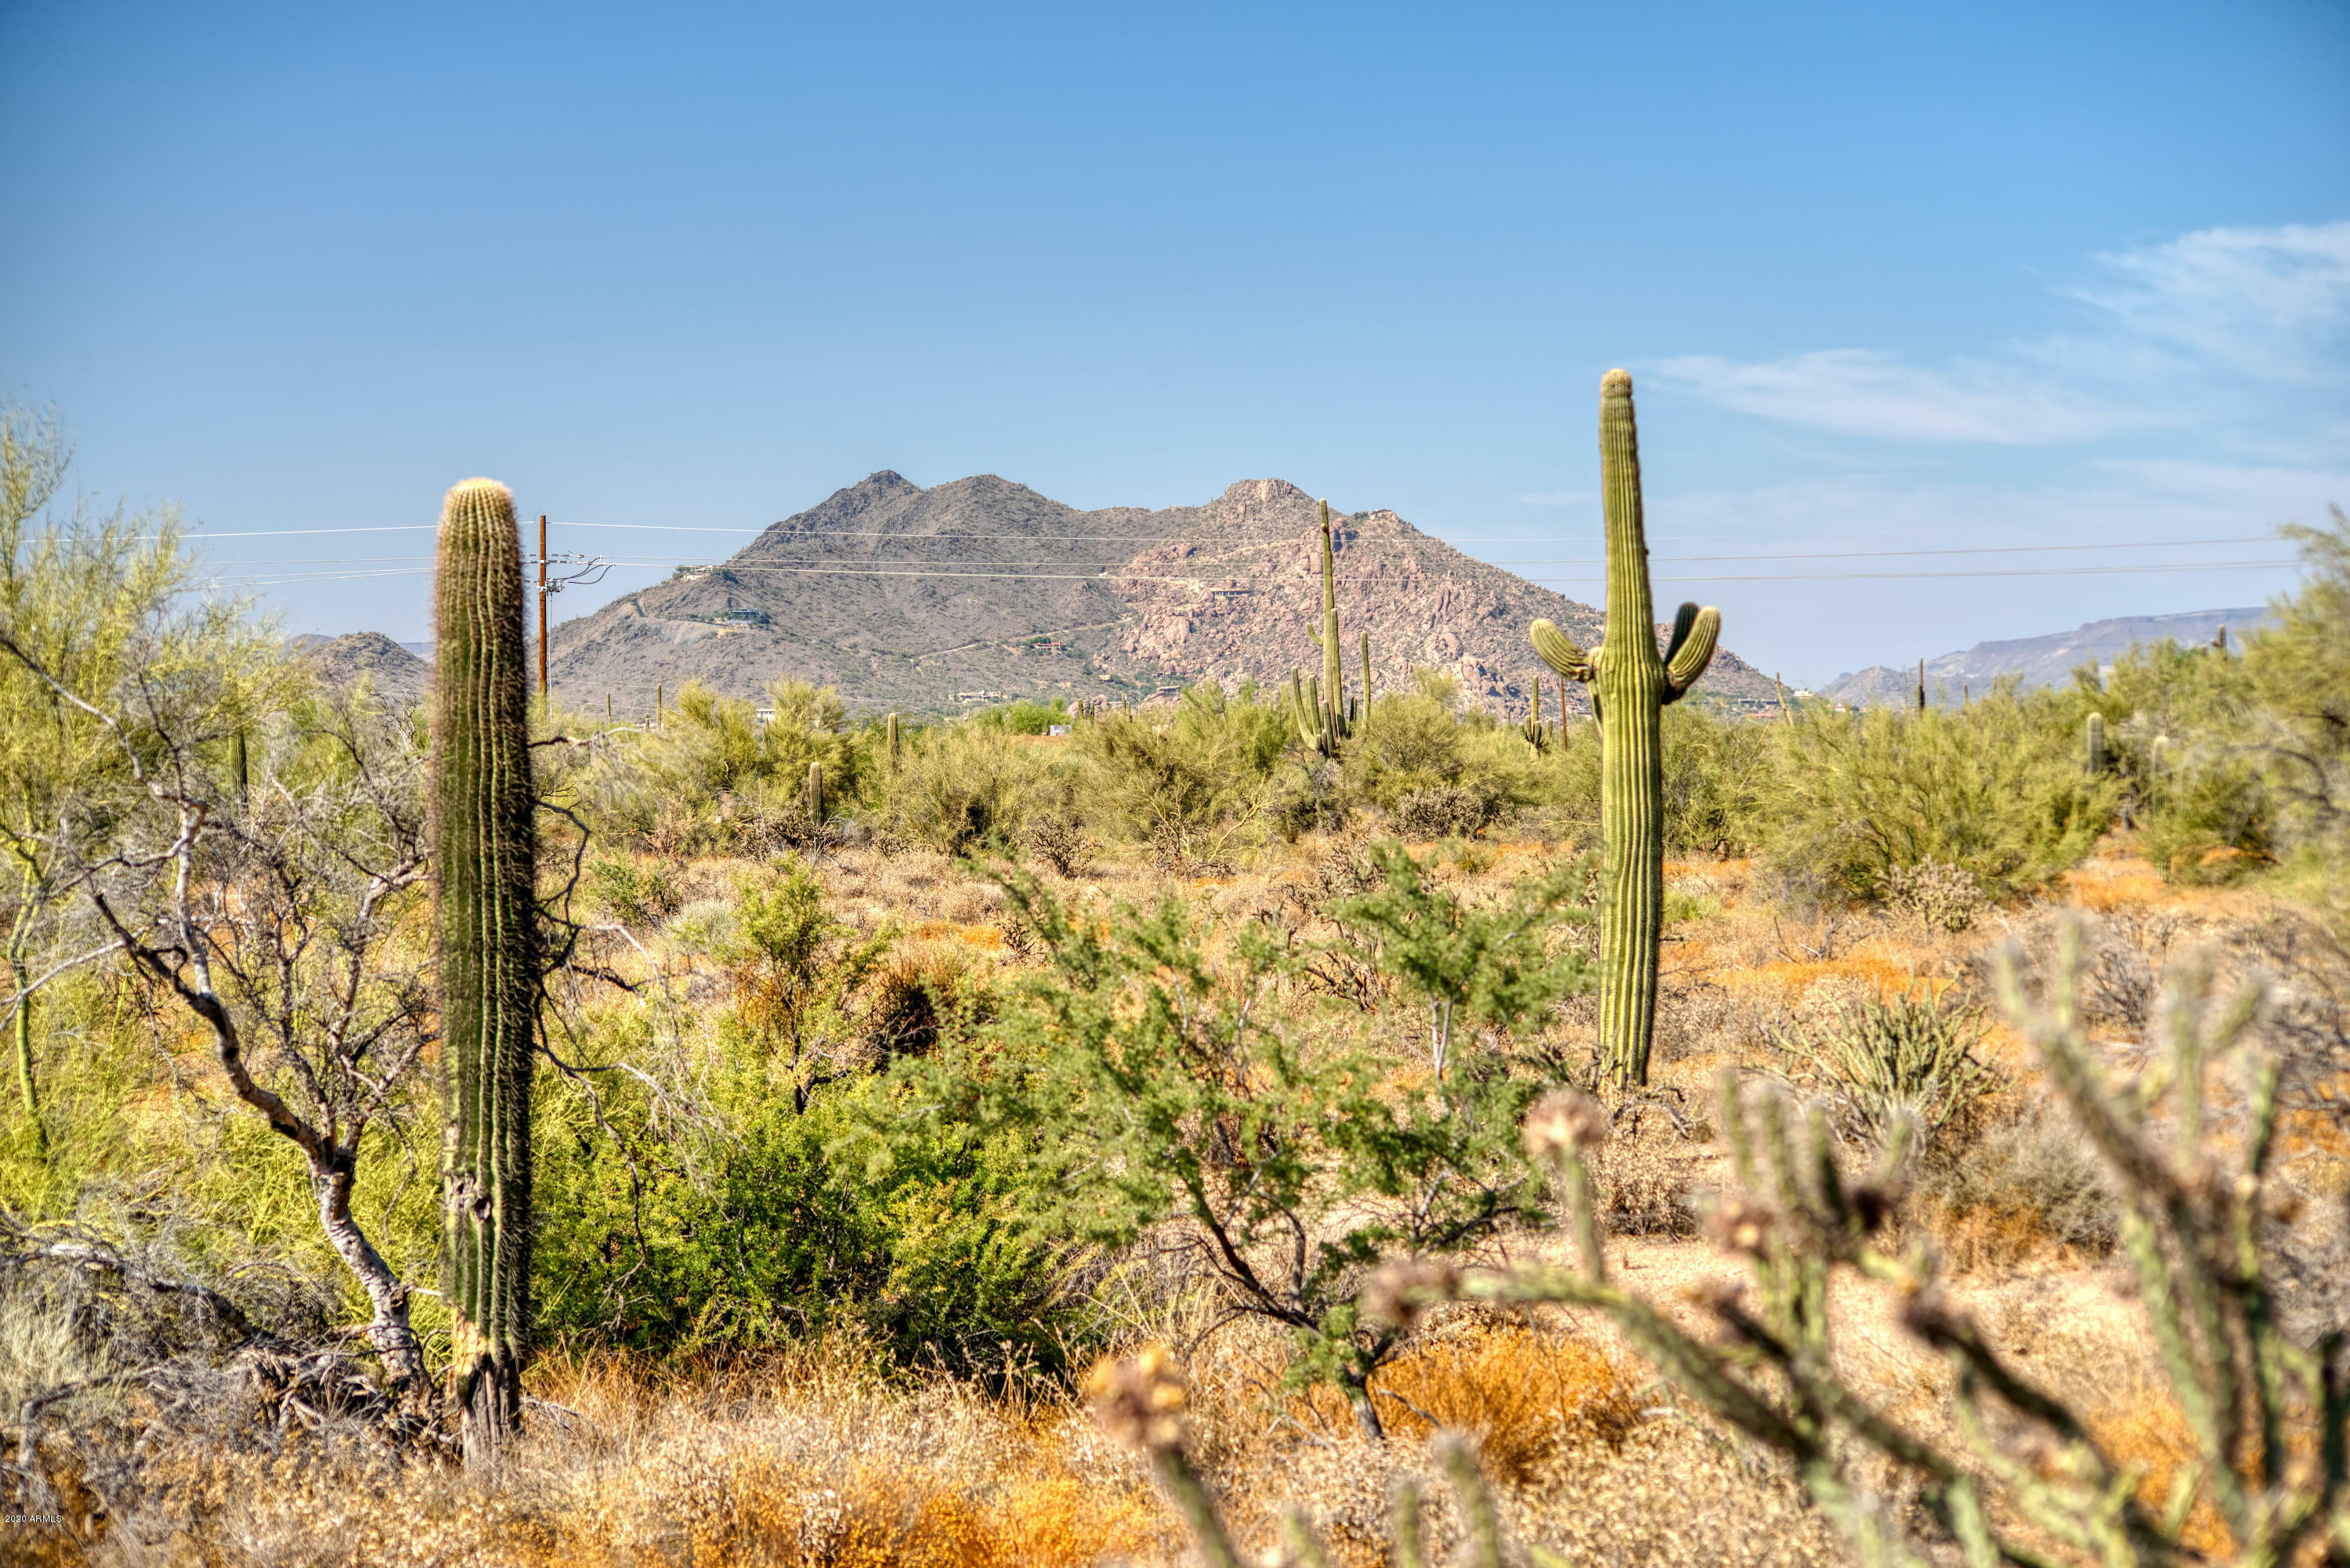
x=78 y=593
x=271 y=907
x=1631 y=684
x=485 y=870
x=1154 y=1073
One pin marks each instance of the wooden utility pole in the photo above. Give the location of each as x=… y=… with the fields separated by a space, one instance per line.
x=542 y=606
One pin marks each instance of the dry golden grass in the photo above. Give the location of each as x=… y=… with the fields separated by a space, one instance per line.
x=1524 y=1394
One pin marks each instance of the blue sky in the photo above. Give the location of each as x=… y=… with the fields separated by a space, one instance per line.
x=1895 y=276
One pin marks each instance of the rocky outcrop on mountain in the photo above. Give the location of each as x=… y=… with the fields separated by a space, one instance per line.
x=982 y=590
x=2035 y=660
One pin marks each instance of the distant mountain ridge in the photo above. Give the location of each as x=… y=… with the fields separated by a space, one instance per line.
x=2047 y=661
x=979 y=590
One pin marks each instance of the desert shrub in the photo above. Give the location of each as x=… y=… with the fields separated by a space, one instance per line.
x=1525 y=1393
x=740 y=1197
x=1997 y=790
x=917 y=998
x=960 y=786
x=785 y=1225
x=1715 y=769
x=1940 y=898
x=1440 y=811
x=1715 y=773
x=1205 y=766
x=1023 y=717
x=2209 y=814
x=2029 y=1181
x=1907 y=1058
x=629 y=891
x=1063 y=845
x=1152 y=1080
x=1412 y=744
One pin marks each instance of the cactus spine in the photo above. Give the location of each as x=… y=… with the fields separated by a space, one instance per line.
x=484 y=860
x=2096 y=729
x=1630 y=686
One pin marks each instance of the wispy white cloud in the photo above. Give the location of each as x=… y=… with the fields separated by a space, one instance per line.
x=2269 y=303
x=1860 y=391
x=2160 y=326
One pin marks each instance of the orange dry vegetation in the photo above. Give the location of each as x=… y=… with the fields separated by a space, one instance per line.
x=988 y=937
x=1889 y=976
x=1524 y=1394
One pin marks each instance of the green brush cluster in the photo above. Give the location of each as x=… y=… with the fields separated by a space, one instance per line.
x=484 y=859
x=1630 y=685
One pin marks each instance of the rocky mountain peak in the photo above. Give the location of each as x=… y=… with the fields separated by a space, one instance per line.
x=1264 y=492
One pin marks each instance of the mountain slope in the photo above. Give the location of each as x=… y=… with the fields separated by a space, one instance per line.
x=2047 y=661
x=398 y=676
x=1044 y=599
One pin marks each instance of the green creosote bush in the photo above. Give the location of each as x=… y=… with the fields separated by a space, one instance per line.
x=766 y=1182
x=1418 y=754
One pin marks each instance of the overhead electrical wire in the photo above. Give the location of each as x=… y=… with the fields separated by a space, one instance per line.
x=1526 y=561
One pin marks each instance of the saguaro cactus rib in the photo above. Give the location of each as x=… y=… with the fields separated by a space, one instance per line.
x=1631 y=683
x=484 y=861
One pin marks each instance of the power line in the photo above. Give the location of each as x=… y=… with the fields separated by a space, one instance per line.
x=1993 y=572
x=1259 y=543
x=1755 y=578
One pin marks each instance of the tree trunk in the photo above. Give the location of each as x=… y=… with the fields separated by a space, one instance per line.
x=27 y=1084
x=1358 y=1396
x=394 y=1340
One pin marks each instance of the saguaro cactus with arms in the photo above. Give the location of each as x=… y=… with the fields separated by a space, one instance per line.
x=1630 y=685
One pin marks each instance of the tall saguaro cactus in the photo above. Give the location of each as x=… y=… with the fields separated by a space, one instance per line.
x=485 y=860
x=1630 y=685
x=1334 y=679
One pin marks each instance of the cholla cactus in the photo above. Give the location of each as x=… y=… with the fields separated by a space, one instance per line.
x=1141 y=1401
x=483 y=850
x=1630 y=686
x=2197 y=1232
